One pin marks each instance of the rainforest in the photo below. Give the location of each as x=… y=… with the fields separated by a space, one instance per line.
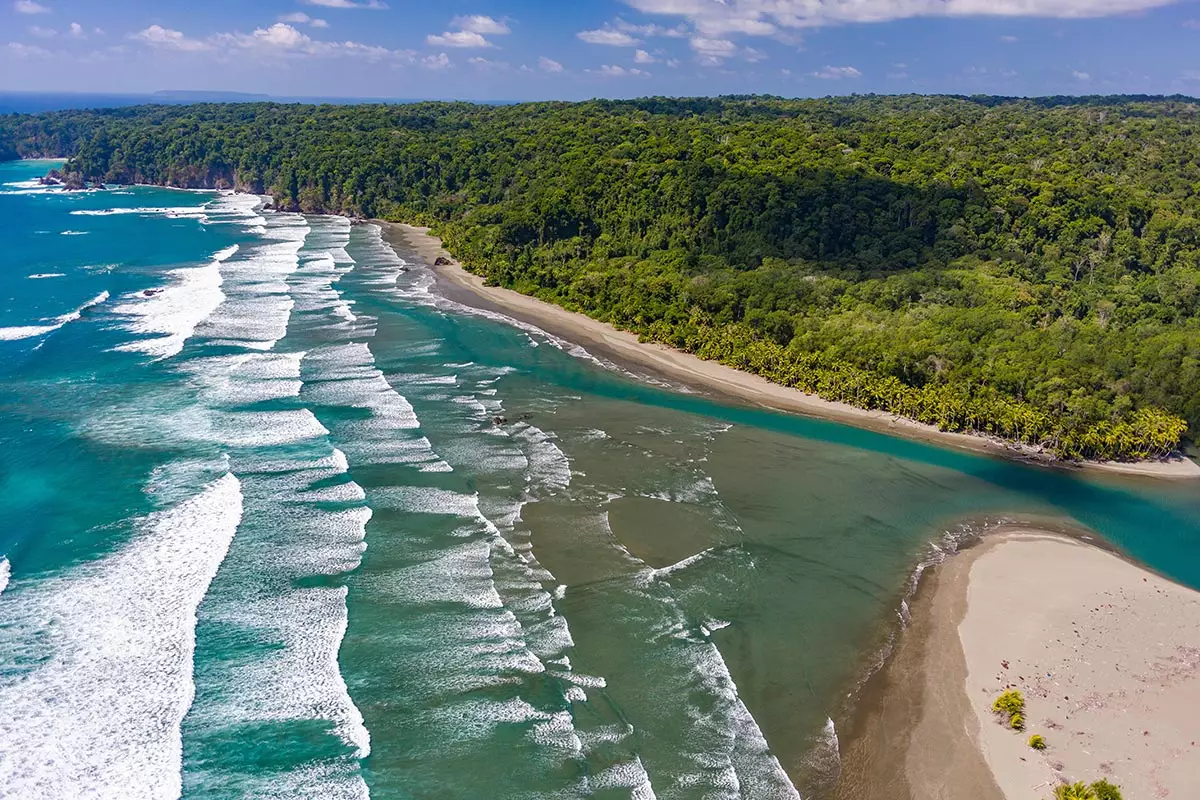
x=1022 y=268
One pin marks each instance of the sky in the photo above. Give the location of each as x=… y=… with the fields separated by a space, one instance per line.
x=508 y=50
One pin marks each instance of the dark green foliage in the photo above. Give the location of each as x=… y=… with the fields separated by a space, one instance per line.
x=1103 y=790
x=1023 y=268
x=1037 y=742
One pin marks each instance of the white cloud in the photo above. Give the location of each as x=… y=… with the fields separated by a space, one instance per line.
x=487 y=64
x=642 y=57
x=1009 y=39
x=837 y=73
x=470 y=33
x=275 y=41
x=679 y=31
x=713 y=51
x=457 y=39
x=717 y=18
x=300 y=18
x=42 y=33
x=280 y=35
x=29 y=7
x=1080 y=76
x=18 y=50
x=75 y=31
x=608 y=36
x=440 y=61
x=752 y=55
x=167 y=39
x=549 y=65
x=372 y=5
x=478 y=23
x=617 y=71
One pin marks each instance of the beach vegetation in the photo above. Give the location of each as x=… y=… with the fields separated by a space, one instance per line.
x=1027 y=269
x=1009 y=703
x=1017 y=722
x=1037 y=742
x=1103 y=790
x=1074 y=791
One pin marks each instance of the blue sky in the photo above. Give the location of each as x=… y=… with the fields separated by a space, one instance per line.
x=538 y=49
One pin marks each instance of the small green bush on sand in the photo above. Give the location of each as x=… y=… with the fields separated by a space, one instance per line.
x=1037 y=742
x=1009 y=703
x=1074 y=791
x=1017 y=722
x=1099 y=790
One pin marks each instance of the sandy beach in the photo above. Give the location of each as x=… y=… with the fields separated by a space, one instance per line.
x=1106 y=655
x=621 y=346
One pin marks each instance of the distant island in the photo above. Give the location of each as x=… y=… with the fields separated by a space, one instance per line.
x=1027 y=269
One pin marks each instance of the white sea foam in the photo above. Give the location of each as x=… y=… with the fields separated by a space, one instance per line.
x=51 y=325
x=42 y=275
x=256 y=307
x=98 y=713
x=246 y=377
x=5 y=573
x=300 y=678
x=171 y=315
x=286 y=535
x=73 y=233
x=181 y=212
x=258 y=428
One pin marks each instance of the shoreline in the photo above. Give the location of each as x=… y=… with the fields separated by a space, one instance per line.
x=604 y=340
x=1103 y=650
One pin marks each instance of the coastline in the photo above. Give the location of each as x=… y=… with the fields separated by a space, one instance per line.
x=1103 y=651
x=603 y=339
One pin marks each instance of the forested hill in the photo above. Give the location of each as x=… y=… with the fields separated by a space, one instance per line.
x=1027 y=268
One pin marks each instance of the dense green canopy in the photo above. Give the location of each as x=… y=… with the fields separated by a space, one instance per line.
x=1027 y=268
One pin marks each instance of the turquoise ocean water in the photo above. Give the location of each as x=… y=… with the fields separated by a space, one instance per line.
x=260 y=537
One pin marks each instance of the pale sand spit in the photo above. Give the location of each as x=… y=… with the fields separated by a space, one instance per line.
x=1106 y=655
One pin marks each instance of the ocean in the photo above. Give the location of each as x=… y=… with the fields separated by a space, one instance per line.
x=279 y=521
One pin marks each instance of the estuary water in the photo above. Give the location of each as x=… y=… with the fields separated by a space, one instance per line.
x=278 y=521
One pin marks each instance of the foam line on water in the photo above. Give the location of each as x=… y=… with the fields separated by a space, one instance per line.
x=177 y=212
x=287 y=535
x=170 y=314
x=256 y=306
x=97 y=713
x=5 y=573
x=51 y=325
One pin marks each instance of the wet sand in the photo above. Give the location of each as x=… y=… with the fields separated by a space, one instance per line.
x=1106 y=654
x=606 y=341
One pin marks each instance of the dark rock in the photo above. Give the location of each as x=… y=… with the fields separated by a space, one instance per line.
x=151 y=292
x=442 y=261
x=499 y=420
